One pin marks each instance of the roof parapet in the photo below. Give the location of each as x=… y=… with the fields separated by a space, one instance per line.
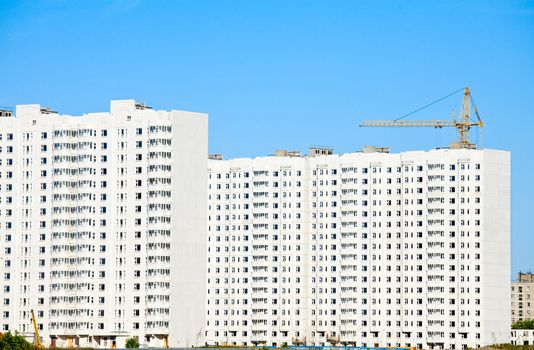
x=374 y=149
x=315 y=151
x=286 y=153
x=216 y=156
x=6 y=112
x=141 y=106
x=47 y=110
x=126 y=106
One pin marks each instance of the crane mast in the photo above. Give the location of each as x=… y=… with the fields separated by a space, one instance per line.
x=463 y=125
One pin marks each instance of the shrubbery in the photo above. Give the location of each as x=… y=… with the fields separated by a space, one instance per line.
x=131 y=343
x=510 y=347
x=529 y=324
x=15 y=341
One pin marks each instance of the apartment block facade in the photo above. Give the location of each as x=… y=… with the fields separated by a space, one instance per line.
x=367 y=249
x=101 y=225
x=523 y=297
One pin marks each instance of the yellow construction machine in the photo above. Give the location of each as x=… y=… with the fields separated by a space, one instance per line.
x=37 y=340
x=462 y=125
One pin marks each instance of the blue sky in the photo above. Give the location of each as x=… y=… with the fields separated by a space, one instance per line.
x=288 y=74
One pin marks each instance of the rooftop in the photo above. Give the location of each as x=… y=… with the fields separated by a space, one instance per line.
x=525 y=277
x=313 y=151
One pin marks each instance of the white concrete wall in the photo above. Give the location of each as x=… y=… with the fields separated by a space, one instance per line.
x=188 y=309
x=496 y=258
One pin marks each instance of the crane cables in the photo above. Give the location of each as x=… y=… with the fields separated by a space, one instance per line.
x=430 y=104
x=475 y=107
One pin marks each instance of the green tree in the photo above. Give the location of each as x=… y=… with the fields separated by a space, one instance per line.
x=15 y=341
x=131 y=343
x=528 y=324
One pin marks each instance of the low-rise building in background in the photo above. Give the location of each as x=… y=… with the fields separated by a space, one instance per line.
x=523 y=297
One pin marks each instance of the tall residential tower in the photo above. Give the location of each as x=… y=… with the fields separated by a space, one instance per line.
x=102 y=225
x=367 y=248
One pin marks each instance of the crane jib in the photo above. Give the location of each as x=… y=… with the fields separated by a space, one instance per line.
x=408 y=123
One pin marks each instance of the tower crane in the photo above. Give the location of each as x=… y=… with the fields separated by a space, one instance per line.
x=463 y=125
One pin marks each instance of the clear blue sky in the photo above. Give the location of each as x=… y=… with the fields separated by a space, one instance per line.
x=288 y=74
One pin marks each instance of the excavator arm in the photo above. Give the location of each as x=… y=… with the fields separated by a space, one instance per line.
x=38 y=343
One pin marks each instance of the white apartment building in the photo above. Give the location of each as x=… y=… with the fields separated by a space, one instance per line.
x=367 y=248
x=102 y=225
